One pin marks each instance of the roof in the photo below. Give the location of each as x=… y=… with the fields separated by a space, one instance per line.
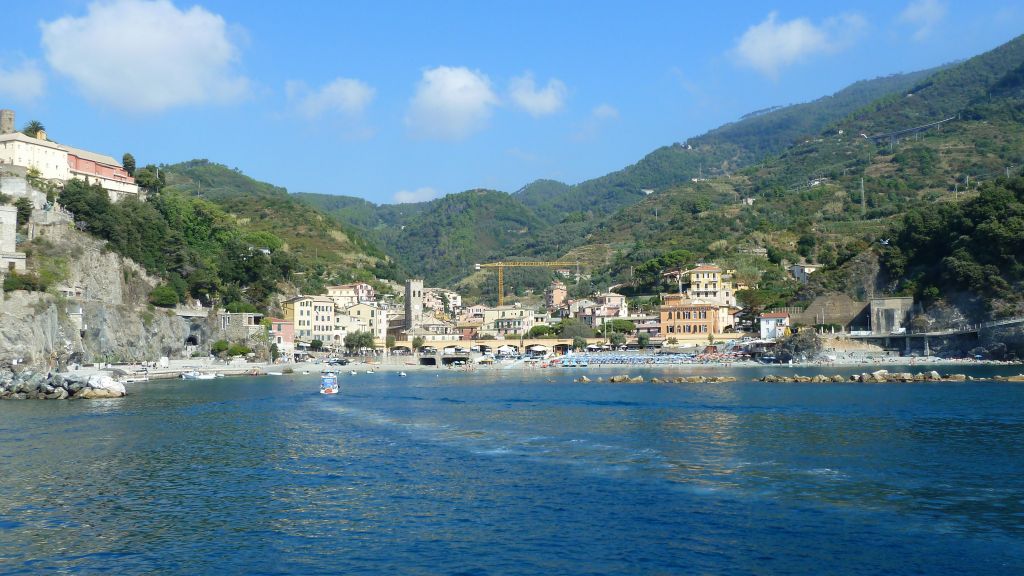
x=101 y=158
x=706 y=268
x=775 y=315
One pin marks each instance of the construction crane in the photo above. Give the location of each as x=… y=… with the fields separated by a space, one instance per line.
x=521 y=264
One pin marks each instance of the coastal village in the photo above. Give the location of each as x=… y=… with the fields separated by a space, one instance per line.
x=701 y=318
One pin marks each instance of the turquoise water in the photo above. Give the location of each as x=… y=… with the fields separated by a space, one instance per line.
x=517 y=473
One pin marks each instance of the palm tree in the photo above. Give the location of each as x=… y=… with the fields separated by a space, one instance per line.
x=33 y=128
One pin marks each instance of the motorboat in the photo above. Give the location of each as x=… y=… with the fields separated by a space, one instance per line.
x=369 y=371
x=402 y=374
x=275 y=373
x=197 y=375
x=353 y=372
x=328 y=383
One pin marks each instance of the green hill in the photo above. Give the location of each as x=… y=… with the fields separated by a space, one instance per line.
x=332 y=249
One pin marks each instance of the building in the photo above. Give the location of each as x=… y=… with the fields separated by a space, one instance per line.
x=58 y=162
x=774 y=325
x=506 y=321
x=709 y=282
x=366 y=317
x=802 y=272
x=313 y=318
x=555 y=295
x=282 y=334
x=10 y=258
x=683 y=317
x=346 y=295
x=413 y=302
x=442 y=301
x=239 y=326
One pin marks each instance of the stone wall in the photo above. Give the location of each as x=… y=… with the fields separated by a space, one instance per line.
x=832 y=309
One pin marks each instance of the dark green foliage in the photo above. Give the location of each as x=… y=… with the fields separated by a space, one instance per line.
x=238 y=350
x=24 y=281
x=163 y=296
x=24 y=206
x=192 y=242
x=128 y=161
x=316 y=345
x=219 y=347
x=357 y=340
x=33 y=128
x=572 y=328
x=976 y=246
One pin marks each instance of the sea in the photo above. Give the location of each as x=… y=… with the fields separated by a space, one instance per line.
x=519 y=472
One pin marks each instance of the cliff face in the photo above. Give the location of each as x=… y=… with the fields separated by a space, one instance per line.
x=103 y=315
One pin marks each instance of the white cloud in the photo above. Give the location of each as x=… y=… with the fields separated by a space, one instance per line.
x=924 y=15
x=605 y=111
x=771 y=45
x=344 y=96
x=590 y=129
x=418 y=195
x=145 y=56
x=450 y=103
x=24 y=82
x=548 y=100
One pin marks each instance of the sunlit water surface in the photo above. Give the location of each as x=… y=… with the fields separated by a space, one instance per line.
x=517 y=473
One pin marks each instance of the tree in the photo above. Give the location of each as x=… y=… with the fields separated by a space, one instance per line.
x=163 y=296
x=238 y=350
x=672 y=341
x=579 y=343
x=389 y=342
x=643 y=339
x=33 y=128
x=274 y=352
x=316 y=345
x=617 y=339
x=24 y=206
x=219 y=347
x=573 y=328
x=417 y=342
x=358 y=340
x=539 y=331
x=128 y=161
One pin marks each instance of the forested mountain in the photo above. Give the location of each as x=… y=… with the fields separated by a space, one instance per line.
x=331 y=250
x=718 y=152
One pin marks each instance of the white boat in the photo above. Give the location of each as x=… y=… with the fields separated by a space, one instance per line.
x=402 y=374
x=353 y=372
x=329 y=383
x=369 y=371
x=275 y=373
x=197 y=375
x=305 y=371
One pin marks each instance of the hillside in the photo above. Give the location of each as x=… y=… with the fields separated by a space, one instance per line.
x=335 y=250
x=718 y=152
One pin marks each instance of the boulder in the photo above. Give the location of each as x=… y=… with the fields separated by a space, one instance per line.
x=637 y=380
x=1017 y=378
x=583 y=379
x=933 y=375
x=956 y=377
x=102 y=386
x=618 y=379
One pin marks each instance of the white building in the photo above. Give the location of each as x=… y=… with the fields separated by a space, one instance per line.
x=58 y=162
x=802 y=272
x=312 y=317
x=774 y=325
x=347 y=295
x=10 y=258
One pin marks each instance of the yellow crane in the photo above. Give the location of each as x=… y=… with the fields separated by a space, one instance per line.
x=521 y=264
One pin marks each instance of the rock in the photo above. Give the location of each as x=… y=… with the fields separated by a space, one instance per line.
x=101 y=386
x=726 y=379
x=655 y=380
x=19 y=396
x=583 y=379
x=933 y=375
x=919 y=377
x=838 y=378
x=1017 y=378
x=618 y=379
x=637 y=380
x=956 y=377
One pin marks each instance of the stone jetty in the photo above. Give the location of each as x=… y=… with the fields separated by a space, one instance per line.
x=880 y=376
x=31 y=385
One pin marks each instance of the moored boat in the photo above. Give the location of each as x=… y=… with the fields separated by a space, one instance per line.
x=328 y=383
x=197 y=375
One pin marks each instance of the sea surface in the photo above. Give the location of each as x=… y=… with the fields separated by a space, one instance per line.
x=518 y=472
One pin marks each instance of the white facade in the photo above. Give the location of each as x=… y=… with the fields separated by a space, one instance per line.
x=313 y=318
x=774 y=325
x=10 y=258
x=802 y=272
x=369 y=319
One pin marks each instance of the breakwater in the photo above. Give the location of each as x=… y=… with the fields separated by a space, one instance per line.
x=32 y=385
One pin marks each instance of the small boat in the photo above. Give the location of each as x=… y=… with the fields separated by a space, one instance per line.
x=353 y=372
x=218 y=375
x=275 y=373
x=329 y=383
x=305 y=371
x=369 y=371
x=402 y=374
x=196 y=375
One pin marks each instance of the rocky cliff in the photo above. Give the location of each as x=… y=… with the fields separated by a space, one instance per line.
x=95 y=308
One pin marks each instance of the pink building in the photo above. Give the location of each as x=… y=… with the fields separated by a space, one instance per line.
x=282 y=333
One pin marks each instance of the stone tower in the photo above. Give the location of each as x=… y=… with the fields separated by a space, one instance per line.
x=413 y=302
x=6 y=121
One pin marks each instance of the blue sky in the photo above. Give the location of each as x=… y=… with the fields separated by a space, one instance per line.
x=400 y=101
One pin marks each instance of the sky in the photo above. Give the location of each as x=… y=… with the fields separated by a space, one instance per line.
x=408 y=101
